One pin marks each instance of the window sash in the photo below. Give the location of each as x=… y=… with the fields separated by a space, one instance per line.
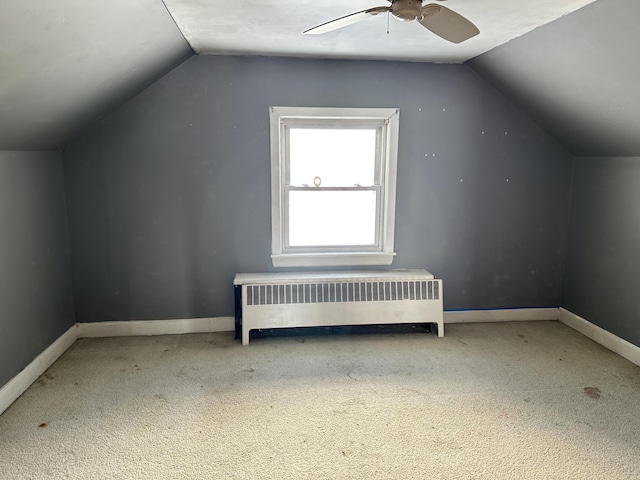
x=351 y=124
x=375 y=247
x=379 y=177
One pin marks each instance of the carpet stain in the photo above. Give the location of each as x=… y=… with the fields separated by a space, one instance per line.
x=43 y=425
x=592 y=392
x=48 y=376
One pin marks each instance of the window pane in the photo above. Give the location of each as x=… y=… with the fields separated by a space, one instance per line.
x=340 y=157
x=332 y=218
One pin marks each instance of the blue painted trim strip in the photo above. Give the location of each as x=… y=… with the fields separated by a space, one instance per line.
x=489 y=309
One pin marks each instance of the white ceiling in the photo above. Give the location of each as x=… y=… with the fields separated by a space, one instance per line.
x=274 y=27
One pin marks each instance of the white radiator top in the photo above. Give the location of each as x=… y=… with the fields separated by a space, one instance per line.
x=368 y=275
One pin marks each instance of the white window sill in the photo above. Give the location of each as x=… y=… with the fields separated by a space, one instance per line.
x=331 y=259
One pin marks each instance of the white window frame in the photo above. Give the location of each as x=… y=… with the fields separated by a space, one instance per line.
x=386 y=121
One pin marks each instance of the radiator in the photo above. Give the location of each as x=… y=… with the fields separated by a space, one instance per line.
x=284 y=300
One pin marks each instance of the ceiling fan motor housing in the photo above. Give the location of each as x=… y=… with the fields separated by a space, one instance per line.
x=406 y=10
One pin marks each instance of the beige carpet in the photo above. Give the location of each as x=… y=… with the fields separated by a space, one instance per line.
x=531 y=400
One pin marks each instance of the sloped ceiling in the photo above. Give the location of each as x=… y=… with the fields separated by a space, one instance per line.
x=64 y=63
x=579 y=77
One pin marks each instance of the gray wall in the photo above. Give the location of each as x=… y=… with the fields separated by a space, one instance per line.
x=36 y=302
x=168 y=197
x=578 y=78
x=603 y=267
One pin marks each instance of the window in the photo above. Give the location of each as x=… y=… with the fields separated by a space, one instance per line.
x=333 y=183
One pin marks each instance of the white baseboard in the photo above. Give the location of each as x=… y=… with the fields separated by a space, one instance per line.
x=155 y=327
x=23 y=380
x=227 y=324
x=608 y=340
x=18 y=384
x=501 y=315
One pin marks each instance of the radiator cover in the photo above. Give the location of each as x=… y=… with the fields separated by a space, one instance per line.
x=303 y=299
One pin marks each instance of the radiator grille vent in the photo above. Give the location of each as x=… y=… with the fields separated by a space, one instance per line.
x=294 y=293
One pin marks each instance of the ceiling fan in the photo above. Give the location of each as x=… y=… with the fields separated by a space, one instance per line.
x=440 y=20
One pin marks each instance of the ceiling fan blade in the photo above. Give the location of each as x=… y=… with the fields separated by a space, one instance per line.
x=346 y=20
x=447 y=24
